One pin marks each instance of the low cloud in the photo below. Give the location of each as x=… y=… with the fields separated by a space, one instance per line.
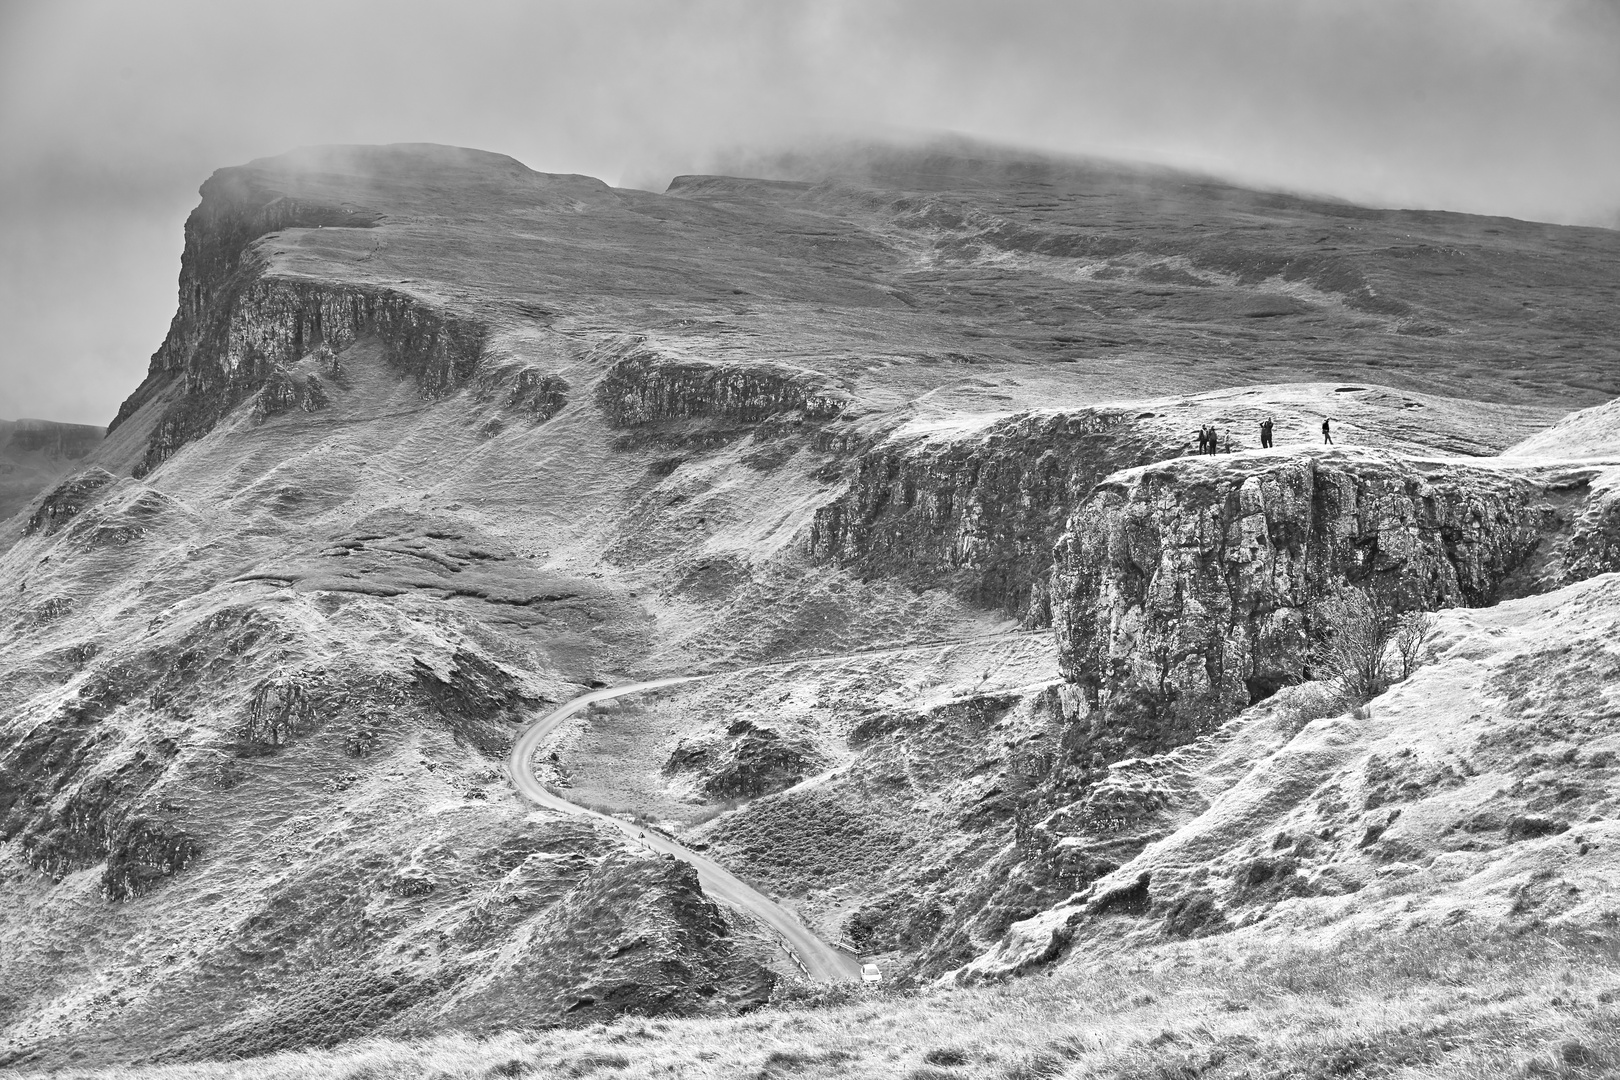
x=113 y=113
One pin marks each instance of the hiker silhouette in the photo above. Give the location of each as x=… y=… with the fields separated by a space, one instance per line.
x=1265 y=434
x=1327 y=436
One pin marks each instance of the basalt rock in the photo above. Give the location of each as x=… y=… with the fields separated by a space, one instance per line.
x=538 y=395
x=272 y=323
x=217 y=263
x=752 y=761
x=142 y=853
x=979 y=512
x=237 y=322
x=284 y=391
x=67 y=500
x=473 y=695
x=634 y=935
x=1186 y=591
x=643 y=386
x=281 y=710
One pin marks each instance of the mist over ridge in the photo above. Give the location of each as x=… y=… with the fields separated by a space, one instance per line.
x=113 y=115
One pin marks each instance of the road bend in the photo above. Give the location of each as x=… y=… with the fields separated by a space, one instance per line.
x=819 y=960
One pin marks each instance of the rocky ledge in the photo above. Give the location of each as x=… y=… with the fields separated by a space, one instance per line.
x=239 y=322
x=1185 y=591
x=979 y=510
x=644 y=385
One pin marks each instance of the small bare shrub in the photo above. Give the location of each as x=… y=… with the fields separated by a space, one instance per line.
x=1299 y=705
x=1414 y=635
x=1369 y=646
x=1359 y=629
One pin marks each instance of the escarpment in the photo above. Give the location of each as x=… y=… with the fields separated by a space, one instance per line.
x=980 y=513
x=217 y=263
x=644 y=385
x=238 y=323
x=1186 y=591
x=437 y=444
x=273 y=322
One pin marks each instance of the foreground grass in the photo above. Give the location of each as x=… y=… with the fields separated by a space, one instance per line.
x=1452 y=1003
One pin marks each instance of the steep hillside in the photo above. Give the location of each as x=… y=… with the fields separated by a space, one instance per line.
x=1480 y=792
x=436 y=442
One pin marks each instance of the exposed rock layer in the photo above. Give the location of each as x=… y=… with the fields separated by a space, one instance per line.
x=1184 y=592
x=644 y=385
x=237 y=323
x=980 y=513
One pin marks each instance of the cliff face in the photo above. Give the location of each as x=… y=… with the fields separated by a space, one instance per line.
x=217 y=265
x=1185 y=592
x=269 y=323
x=980 y=513
x=644 y=385
x=237 y=322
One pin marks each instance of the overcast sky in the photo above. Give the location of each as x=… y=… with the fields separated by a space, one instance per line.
x=111 y=114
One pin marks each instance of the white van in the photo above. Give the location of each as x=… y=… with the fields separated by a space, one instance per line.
x=870 y=973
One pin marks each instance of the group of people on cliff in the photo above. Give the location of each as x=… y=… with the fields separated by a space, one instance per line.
x=1209 y=440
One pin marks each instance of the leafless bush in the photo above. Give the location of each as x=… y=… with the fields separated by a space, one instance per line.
x=1363 y=632
x=1299 y=705
x=1413 y=638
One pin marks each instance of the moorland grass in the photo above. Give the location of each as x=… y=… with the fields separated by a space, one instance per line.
x=1456 y=1002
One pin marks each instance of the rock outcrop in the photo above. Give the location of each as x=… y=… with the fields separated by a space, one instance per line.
x=67 y=500
x=71 y=804
x=538 y=395
x=1186 y=591
x=271 y=323
x=644 y=385
x=980 y=511
x=753 y=760
x=284 y=391
x=238 y=322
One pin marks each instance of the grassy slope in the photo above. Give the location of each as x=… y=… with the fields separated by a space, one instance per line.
x=1443 y=1003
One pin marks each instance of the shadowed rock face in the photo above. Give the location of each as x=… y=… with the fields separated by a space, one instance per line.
x=255 y=326
x=980 y=513
x=1187 y=591
x=644 y=386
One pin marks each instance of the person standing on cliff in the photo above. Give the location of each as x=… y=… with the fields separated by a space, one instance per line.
x=1265 y=434
x=1203 y=440
x=1327 y=435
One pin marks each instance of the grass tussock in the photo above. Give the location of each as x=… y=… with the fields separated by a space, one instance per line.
x=1445 y=1003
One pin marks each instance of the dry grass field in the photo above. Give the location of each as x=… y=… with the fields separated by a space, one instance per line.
x=1447 y=1003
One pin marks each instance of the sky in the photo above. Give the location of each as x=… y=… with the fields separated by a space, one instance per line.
x=112 y=114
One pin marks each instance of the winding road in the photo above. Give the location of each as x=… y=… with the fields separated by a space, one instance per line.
x=819 y=960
